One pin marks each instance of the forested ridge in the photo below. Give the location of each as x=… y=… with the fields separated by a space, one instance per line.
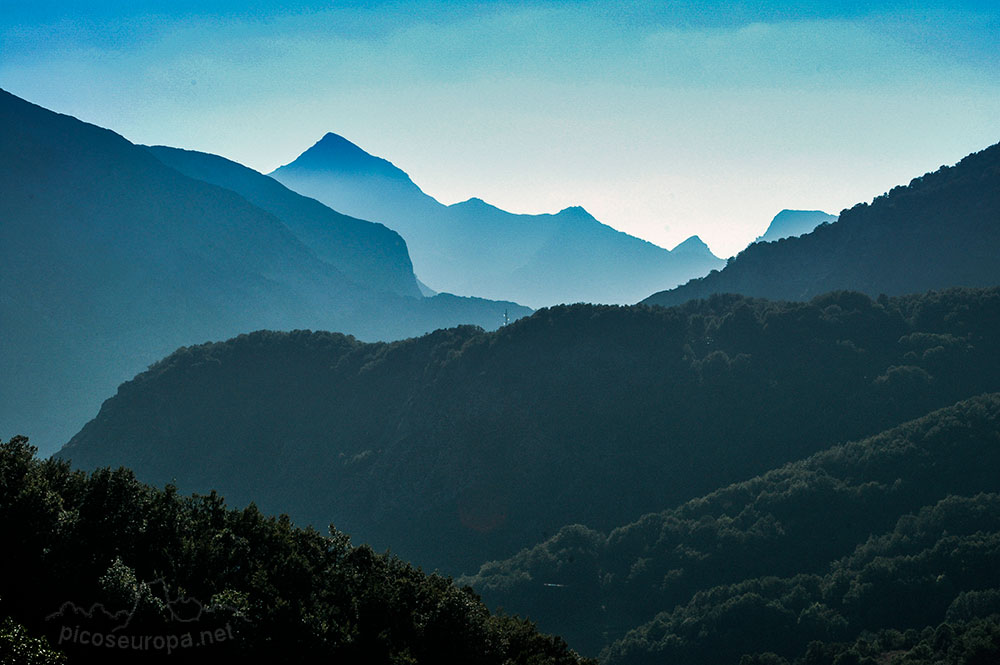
x=463 y=446
x=592 y=587
x=941 y=564
x=164 y=564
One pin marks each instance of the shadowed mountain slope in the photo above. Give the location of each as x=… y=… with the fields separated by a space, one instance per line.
x=463 y=446
x=368 y=254
x=111 y=259
x=473 y=247
x=793 y=520
x=941 y=230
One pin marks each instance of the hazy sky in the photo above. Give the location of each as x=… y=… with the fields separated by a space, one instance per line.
x=663 y=119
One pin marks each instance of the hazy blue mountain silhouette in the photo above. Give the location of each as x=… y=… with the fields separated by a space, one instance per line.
x=941 y=230
x=474 y=247
x=112 y=259
x=367 y=253
x=793 y=223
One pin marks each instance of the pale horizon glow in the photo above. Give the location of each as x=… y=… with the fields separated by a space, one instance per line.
x=663 y=123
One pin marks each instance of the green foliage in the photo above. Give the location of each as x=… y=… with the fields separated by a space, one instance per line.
x=972 y=642
x=17 y=647
x=905 y=578
x=464 y=446
x=795 y=519
x=160 y=559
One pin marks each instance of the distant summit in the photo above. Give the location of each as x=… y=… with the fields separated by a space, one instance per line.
x=939 y=231
x=475 y=248
x=115 y=254
x=792 y=223
x=692 y=246
x=334 y=153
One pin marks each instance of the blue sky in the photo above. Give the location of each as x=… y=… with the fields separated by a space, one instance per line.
x=663 y=119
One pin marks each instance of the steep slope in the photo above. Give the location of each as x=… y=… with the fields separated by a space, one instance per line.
x=939 y=564
x=475 y=248
x=796 y=519
x=114 y=571
x=368 y=254
x=939 y=231
x=794 y=223
x=463 y=446
x=111 y=259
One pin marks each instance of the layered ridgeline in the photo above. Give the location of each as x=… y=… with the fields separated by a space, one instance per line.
x=941 y=230
x=464 y=446
x=794 y=520
x=475 y=248
x=111 y=259
x=113 y=571
x=367 y=253
x=794 y=223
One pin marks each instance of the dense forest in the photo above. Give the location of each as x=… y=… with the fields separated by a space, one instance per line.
x=463 y=446
x=939 y=231
x=96 y=564
x=591 y=587
x=939 y=565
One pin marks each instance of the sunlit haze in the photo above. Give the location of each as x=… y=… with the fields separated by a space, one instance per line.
x=663 y=120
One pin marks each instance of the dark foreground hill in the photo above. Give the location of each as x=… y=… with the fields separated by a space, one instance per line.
x=937 y=573
x=113 y=571
x=464 y=446
x=941 y=230
x=111 y=259
x=475 y=248
x=794 y=520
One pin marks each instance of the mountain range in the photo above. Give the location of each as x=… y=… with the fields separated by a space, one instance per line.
x=473 y=247
x=112 y=259
x=936 y=232
x=792 y=462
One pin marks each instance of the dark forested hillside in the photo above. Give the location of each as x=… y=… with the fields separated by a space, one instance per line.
x=941 y=230
x=933 y=566
x=464 y=446
x=475 y=248
x=794 y=520
x=111 y=259
x=940 y=564
x=108 y=570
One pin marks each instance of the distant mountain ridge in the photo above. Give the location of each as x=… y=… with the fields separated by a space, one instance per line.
x=368 y=254
x=941 y=230
x=110 y=259
x=793 y=223
x=474 y=247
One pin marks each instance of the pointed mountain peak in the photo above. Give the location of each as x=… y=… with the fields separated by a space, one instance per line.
x=693 y=245
x=789 y=223
x=475 y=206
x=336 y=144
x=333 y=153
x=575 y=212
